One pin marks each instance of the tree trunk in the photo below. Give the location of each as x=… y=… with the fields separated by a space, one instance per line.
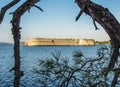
x=16 y=36
x=107 y=21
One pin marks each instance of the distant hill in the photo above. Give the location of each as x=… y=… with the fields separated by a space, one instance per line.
x=5 y=43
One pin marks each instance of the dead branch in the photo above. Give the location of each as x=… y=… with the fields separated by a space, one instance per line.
x=35 y=6
x=5 y=8
x=80 y=13
x=96 y=28
x=108 y=22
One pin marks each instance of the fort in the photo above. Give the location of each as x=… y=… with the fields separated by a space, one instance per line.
x=58 y=42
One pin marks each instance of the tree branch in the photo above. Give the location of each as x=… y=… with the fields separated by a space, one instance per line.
x=5 y=8
x=116 y=75
x=96 y=28
x=35 y=6
x=113 y=60
x=80 y=13
x=108 y=22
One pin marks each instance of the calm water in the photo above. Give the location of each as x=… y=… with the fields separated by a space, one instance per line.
x=29 y=59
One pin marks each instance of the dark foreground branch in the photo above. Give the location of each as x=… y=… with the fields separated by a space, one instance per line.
x=116 y=75
x=16 y=36
x=5 y=8
x=108 y=22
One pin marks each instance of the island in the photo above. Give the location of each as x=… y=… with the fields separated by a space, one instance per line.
x=59 y=42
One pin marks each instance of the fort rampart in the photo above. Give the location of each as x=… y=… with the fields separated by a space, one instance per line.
x=55 y=41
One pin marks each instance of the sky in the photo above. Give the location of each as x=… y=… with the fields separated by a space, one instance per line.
x=57 y=21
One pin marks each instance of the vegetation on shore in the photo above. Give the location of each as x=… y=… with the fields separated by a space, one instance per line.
x=102 y=42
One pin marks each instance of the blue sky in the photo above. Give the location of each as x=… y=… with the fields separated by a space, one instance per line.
x=57 y=21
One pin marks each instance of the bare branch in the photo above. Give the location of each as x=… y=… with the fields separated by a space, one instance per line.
x=108 y=22
x=35 y=6
x=96 y=28
x=80 y=13
x=5 y=8
x=78 y=16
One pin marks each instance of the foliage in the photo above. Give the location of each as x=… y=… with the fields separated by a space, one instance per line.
x=81 y=72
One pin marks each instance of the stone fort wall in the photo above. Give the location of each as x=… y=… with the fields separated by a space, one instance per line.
x=54 y=41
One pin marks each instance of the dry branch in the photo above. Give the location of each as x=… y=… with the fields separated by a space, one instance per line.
x=108 y=22
x=5 y=8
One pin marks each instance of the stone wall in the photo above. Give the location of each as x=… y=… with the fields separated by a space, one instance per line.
x=54 y=41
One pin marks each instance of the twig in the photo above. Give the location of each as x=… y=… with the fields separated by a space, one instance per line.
x=96 y=28
x=32 y=4
x=80 y=13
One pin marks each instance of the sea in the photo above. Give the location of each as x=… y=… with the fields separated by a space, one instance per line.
x=30 y=55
